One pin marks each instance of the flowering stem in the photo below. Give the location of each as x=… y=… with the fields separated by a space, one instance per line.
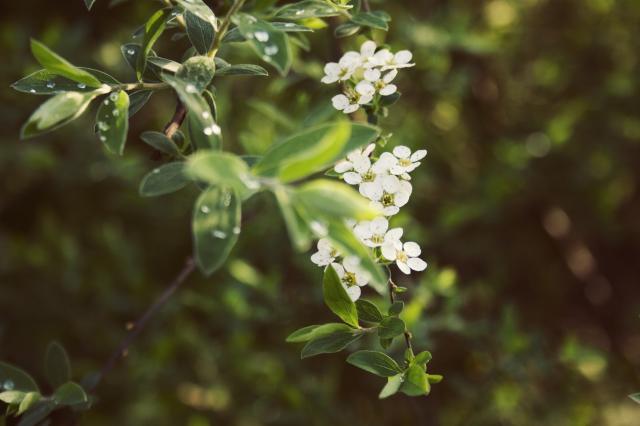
x=224 y=27
x=392 y=298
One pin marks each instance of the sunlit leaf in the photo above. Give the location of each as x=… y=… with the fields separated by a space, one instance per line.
x=60 y=66
x=112 y=121
x=163 y=180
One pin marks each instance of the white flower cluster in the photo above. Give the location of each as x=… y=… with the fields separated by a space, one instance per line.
x=385 y=182
x=364 y=75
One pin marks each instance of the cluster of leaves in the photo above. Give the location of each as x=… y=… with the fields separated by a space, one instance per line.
x=23 y=397
x=410 y=377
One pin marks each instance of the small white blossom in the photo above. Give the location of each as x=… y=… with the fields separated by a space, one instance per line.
x=325 y=255
x=381 y=83
x=342 y=70
x=367 y=53
x=350 y=103
x=404 y=255
x=386 y=60
x=352 y=276
x=356 y=165
x=407 y=162
x=389 y=194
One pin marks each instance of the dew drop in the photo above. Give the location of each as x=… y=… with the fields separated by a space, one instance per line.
x=103 y=138
x=102 y=126
x=300 y=12
x=207 y=131
x=82 y=86
x=106 y=102
x=236 y=230
x=115 y=112
x=261 y=36
x=289 y=25
x=156 y=171
x=205 y=115
x=191 y=88
x=216 y=129
x=8 y=385
x=271 y=50
x=51 y=85
x=219 y=234
x=226 y=200
x=113 y=96
x=131 y=52
x=32 y=90
x=205 y=209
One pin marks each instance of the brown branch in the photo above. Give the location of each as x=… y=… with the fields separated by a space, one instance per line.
x=139 y=325
x=176 y=121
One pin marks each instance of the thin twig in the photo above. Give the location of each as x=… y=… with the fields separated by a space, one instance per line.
x=365 y=6
x=139 y=325
x=222 y=31
x=176 y=121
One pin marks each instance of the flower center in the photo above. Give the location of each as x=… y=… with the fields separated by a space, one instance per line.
x=377 y=239
x=349 y=279
x=402 y=256
x=388 y=200
x=379 y=84
x=369 y=176
x=404 y=162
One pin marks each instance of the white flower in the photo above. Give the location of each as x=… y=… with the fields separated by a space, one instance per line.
x=352 y=276
x=352 y=102
x=367 y=53
x=388 y=61
x=405 y=255
x=407 y=162
x=389 y=194
x=325 y=255
x=382 y=83
x=342 y=70
x=356 y=165
x=375 y=233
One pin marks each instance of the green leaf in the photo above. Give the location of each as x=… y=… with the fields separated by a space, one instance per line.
x=337 y=299
x=391 y=327
x=60 y=66
x=200 y=32
x=56 y=112
x=346 y=30
x=198 y=71
x=165 y=179
x=17 y=378
x=200 y=10
x=299 y=232
x=330 y=343
x=38 y=413
x=415 y=382
x=221 y=168
x=201 y=116
x=153 y=29
x=434 y=378
x=12 y=396
x=270 y=43
x=345 y=241
x=137 y=100
x=45 y=82
x=70 y=394
x=241 y=69
x=89 y=3
x=306 y=9
x=371 y=20
x=392 y=386
x=367 y=311
x=112 y=121
x=57 y=365
x=315 y=149
x=161 y=142
x=422 y=358
x=28 y=401
x=396 y=308
x=234 y=35
x=313 y=331
x=164 y=64
x=216 y=226
x=375 y=362
x=333 y=200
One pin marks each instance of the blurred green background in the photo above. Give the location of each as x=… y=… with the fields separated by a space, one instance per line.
x=527 y=207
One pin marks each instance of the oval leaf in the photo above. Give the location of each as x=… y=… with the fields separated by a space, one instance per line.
x=70 y=394
x=330 y=343
x=375 y=362
x=57 y=365
x=216 y=225
x=112 y=121
x=391 y=327
x=165 y=179
x=60 y=66
x=337 y=299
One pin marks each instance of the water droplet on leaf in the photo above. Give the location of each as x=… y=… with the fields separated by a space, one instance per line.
x=219 y=234
x=8 y=385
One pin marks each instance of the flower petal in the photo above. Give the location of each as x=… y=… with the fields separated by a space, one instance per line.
x=418 y=155
x=388 y=77
x=352 y=178
x=401 y=151
x=343 y=166
x=388 y=251
x=403 y=267
x=393 y=235
x=354 y=292
x=389 y=89
x=368 y=48
x=339 y=269
x=403 y=57
x=379 y=225
x=417 y=264
x=412 y=249
x=340 y=102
